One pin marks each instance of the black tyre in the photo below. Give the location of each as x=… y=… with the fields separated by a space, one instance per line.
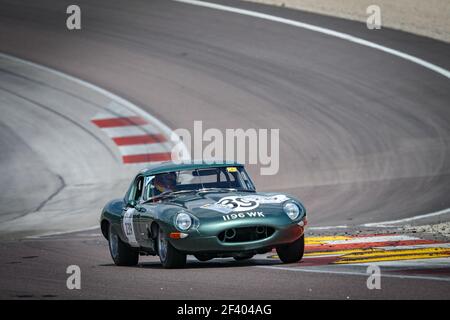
x=169 y=256
x=242 y=258
x=292 y=252
x=121 y=253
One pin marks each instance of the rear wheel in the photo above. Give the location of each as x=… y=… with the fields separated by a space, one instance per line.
x=169 y=256
x=292 y=252
x=121 y=253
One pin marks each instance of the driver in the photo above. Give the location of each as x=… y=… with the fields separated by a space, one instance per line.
x=165 y=182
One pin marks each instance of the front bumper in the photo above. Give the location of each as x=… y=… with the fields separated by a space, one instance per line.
x=205 y=239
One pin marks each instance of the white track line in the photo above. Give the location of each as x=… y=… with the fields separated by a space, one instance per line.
x=401 y=221
x=389 y=224
x=329 y=32
x=118 y=109
x=422 y=264
x=328 y=228
x=416 y=246
x=390 y=238
x=50 y=234
x=349 y=273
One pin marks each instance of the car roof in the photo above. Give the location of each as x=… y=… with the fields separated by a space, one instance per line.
x=170 y=166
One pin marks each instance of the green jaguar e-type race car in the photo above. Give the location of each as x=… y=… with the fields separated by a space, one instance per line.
x=206 y=210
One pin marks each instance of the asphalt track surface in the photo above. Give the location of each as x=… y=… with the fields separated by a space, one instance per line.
x=364 y=135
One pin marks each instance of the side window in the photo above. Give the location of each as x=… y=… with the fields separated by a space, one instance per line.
x=148 y=187
x=136 y=188
x=139 y=189
x=131 y=192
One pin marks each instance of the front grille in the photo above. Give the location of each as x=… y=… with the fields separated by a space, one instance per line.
x=245 y=234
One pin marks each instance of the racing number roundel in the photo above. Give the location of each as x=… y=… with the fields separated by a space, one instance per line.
x=238 y=204
x=247 y=203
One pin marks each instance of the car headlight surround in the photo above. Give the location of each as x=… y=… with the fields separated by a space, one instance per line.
x=183 y=221
x=292 y=210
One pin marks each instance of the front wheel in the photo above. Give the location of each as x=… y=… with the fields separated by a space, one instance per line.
x=292 y=252
x=169 y=256
x=121 y=253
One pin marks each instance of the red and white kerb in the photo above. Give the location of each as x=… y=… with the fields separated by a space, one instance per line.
x=137 y=139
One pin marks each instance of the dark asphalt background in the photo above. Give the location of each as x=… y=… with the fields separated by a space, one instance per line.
x=364 y=135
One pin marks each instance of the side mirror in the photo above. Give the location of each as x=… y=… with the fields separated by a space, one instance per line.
x=131 y=203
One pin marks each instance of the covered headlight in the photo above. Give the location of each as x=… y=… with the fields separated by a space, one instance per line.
x=292 y=210
x=183 y=221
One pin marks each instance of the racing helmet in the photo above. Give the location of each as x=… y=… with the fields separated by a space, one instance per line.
x=165 y=182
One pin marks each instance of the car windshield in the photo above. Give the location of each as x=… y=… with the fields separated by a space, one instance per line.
x=209 y=179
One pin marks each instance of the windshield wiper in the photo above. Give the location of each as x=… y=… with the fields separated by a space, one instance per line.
x=183 y=191
x=223 y=190
x=165 y=194
x=216 y=190
x=168 y=194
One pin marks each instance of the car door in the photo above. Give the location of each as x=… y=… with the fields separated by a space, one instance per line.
x=131 y=214
x=146 y=214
